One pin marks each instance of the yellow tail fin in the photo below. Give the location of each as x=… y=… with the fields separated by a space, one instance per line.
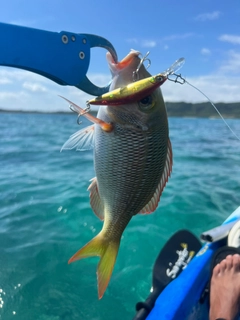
x=107 y=251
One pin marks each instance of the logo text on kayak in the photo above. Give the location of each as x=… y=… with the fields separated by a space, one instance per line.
x=184 y=257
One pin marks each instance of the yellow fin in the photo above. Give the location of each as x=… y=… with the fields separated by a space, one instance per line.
x=107 y=251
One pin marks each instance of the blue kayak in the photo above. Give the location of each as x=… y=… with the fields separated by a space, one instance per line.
x=186 y=296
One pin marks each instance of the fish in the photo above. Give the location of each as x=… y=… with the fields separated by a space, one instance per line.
x=132 y=161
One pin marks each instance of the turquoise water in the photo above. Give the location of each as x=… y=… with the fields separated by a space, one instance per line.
x=45 y=215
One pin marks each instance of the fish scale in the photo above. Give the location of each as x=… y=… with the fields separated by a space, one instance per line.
x=138 y=156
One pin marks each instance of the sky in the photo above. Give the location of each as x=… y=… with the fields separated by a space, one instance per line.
x=206 y=33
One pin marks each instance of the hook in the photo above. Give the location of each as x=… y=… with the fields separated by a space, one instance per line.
x=86 y=110
x=135 y=73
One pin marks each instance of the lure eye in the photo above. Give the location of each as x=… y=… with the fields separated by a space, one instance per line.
x=146 y=103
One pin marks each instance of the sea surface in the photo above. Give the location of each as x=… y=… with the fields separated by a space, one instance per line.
x=45 y=215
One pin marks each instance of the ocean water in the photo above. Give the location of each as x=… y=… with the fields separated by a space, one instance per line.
x=45 y=215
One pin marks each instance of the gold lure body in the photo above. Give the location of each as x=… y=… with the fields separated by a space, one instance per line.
x=134 y=91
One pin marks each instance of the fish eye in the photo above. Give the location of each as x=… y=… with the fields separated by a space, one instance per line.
x=146 y=103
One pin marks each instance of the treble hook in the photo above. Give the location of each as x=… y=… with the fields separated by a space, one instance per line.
x=86 y=110
x=178 y=76
x=135 y=73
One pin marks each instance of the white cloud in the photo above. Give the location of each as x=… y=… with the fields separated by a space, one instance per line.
x=145 y=43
x=149 y=43
x=132 y=40
x=14 y=75
x=230 y=38
x=178 y=36
x=34 y=87
x=205 y=52
x=218 y=89
x=232 y=64
x=28 y=91
x=4 y=81
x=208 y=16
x=100 y=79
x=221 y=86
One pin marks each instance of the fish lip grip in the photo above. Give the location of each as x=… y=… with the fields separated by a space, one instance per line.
x=62 y=57
x=97 y=41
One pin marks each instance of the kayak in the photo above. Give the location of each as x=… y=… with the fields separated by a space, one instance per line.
x=182 y=273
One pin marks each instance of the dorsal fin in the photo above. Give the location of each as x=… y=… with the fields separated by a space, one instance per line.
x=95 y=200
x=81 y=140
x=153 y=203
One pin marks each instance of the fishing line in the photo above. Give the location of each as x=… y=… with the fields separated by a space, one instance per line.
x=182 y=81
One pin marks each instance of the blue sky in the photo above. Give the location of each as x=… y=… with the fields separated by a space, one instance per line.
x=206 y=33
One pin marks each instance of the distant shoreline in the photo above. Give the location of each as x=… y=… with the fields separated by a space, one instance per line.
x=203 y=110
x=176 y=109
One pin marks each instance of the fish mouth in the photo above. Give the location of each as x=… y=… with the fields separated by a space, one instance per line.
x=115 y=67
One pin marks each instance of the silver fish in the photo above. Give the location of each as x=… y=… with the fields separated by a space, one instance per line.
x=132 y=159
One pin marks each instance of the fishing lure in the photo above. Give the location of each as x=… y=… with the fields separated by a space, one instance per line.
x=137 y=90
x=134 y=91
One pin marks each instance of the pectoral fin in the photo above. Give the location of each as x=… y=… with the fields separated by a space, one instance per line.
x=81 y=140
x=153 y=203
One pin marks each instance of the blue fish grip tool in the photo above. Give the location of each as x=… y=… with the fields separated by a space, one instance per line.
x=62 y=57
